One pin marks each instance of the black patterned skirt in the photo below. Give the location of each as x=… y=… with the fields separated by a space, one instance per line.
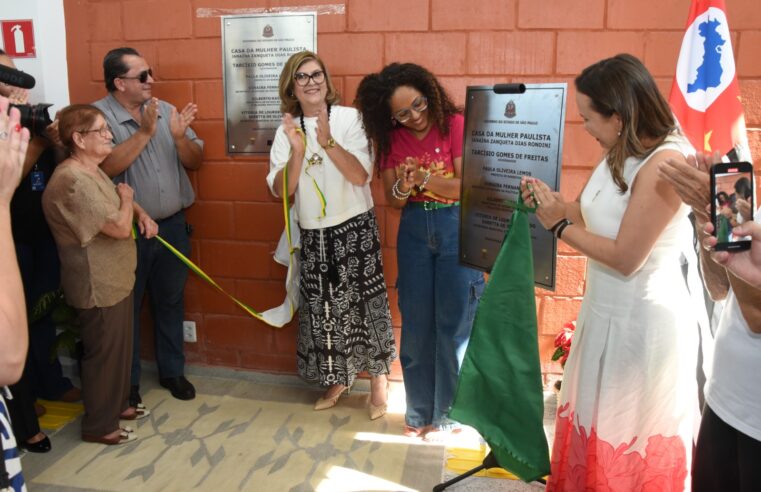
x=344 y=320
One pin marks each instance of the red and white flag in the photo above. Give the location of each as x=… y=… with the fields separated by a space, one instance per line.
x=705 y=96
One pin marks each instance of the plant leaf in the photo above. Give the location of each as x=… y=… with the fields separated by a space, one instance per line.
x=559 y=352
x=44 y=305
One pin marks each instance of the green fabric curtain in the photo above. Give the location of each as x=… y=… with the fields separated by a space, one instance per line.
x=500 y=387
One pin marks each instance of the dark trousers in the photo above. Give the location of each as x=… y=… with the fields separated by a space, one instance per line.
x=40 y=273
x=164 y=276
x=23 y=418
x=107 y=342
x=725 y=458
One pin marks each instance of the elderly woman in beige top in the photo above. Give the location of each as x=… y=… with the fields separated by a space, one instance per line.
x=91 y=221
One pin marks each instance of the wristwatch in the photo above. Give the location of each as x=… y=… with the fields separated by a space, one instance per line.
x=331 y=143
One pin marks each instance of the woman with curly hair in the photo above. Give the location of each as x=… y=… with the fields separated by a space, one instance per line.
x=417 y=132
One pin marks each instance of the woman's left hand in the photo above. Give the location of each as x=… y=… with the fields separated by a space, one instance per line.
x=147 y=226
x=550 y=208
x=323 y=127
x=417 y=175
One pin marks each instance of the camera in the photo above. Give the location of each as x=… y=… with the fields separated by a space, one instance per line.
x=34 y=117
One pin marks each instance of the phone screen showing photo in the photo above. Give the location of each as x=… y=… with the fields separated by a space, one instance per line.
x=732 y=203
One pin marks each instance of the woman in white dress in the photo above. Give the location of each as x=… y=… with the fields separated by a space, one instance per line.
x=628 y=404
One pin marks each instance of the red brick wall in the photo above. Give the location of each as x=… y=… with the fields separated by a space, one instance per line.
x=236 y=221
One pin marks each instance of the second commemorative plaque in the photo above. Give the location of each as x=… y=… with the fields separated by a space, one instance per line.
x=511 y=131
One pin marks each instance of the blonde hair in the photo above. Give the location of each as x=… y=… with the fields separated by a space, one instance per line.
x=288 y=101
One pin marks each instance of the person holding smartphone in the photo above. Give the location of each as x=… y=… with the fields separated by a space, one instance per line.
x=743 y=264
x=729 y=442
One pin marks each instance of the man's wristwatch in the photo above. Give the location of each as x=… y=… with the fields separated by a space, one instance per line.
x=331 y=143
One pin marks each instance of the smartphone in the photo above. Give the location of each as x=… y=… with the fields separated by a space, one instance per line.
x=731 y=203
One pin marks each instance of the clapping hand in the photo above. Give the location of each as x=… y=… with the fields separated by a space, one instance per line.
x=180 y=121
x=323 y=127
x=691 y=180
x=14 y=141
x=294 y=135
x=405 y=173
x=149 y=117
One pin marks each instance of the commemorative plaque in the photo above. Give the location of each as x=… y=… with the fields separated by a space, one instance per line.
x=254 y=50
x=511 y=131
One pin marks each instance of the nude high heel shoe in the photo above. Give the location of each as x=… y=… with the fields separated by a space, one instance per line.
x=377 y=411
x=324 y=403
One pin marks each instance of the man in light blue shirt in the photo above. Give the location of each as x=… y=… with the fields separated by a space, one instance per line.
x=154 y=145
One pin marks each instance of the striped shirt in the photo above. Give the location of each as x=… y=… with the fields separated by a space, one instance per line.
x=10 y=452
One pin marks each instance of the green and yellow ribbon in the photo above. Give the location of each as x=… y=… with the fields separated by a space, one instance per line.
x=197 y=270
x=204 y=276
x=320 y=194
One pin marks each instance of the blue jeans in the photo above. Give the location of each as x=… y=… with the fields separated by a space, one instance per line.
x=437 y=299
x=164 y=276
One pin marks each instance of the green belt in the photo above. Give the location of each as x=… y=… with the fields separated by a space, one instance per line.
x=431 y=205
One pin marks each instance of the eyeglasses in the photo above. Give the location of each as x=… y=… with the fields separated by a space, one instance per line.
x=104 y=132
x=302 y=79
x=419 y=105
x=142 y=76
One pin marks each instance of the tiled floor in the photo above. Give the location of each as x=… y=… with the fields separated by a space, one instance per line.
x=163 y=435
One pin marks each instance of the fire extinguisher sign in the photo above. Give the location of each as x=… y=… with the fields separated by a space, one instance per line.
x=18 y=38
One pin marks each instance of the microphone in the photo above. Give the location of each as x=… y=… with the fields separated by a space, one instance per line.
x=510 y=88
x=16 y=78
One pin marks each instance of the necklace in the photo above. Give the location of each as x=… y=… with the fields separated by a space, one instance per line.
x=315 y=159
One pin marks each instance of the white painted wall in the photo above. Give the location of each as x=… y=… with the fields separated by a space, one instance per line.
x=49 y=68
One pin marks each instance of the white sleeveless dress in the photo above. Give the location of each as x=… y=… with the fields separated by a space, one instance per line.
x=628 y=406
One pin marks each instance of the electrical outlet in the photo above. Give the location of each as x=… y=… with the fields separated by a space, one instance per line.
x=189 y=331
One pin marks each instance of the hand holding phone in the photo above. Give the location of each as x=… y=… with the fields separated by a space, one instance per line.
x=746 y=265
x=731 y=203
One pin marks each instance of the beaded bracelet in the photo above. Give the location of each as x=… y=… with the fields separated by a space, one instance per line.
x=424 y=183
x=399 y=194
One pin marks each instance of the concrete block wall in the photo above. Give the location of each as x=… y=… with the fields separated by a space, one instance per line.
x=237 y=222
